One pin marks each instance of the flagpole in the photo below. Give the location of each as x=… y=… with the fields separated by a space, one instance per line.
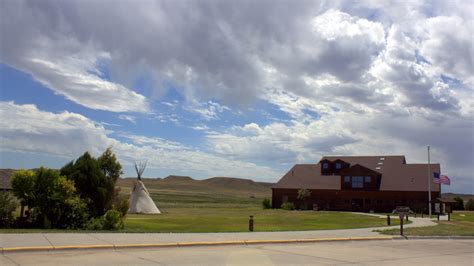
x=429 y=182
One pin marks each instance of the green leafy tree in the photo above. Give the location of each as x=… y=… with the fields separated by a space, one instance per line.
x=459 y=205
x=303 y=194
x=23 y=184
x=7 y=206
x=470 y=205
x=95 y=180
x=90 y=182
x=109 y=165
x=112 y=170
x=52 y=198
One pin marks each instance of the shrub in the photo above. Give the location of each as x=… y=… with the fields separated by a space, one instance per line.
x=112 y=220
x=470 y=205
x=459 y=205
x=75 y=215
x=266 y=204
x=289 y=206
x=95 y=224
x=7 y=206
x=120 y=203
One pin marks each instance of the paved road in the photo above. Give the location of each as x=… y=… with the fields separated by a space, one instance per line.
x=66 y=239
x=392 y=252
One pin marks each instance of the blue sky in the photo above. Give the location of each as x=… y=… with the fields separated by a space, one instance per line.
x=212 y=88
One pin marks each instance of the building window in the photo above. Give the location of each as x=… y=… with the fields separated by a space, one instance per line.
x=338 y=166
x=357 y=182
x=325 y=166
x=347 y=179
x=368 y=179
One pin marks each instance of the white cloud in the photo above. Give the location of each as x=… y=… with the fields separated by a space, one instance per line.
x=24 y=128
x=128 y=118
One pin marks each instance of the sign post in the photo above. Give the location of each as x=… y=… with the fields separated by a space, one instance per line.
x=402 y=212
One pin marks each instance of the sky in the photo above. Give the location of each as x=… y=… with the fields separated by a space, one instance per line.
x=237 y=88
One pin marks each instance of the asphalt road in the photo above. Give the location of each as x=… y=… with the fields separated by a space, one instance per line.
x=392 y=252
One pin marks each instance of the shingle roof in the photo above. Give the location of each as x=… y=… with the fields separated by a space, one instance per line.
x=396 y=174
x=5 y=176
x=308 y=176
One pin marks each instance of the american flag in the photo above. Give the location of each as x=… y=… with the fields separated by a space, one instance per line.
x=441 y=179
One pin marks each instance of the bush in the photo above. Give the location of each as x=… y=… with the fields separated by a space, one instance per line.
x=289 y=206
x=459 y=205
x=95 y=224
x=266 y=204
x=75 y=215
x=120 y=203
x=7 y=206
x=470 y=205
x=113 y=220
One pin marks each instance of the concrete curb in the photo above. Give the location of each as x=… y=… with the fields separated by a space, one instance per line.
x=189 y=244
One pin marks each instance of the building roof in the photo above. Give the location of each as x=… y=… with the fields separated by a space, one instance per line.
x=5 y=176
x=308 y=176
x=397 y=175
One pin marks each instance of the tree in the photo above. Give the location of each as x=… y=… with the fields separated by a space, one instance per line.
x=112 y=170
x=7 y=206
x=109 y=165
x=470 y=205
x=95 y=180
x=459 y=205
x=303 y=193
x=51 y=197
x=90 y=182
x=23 y=183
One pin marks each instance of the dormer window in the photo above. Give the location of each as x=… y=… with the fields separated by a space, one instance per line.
x=325 y=166
x=338 y=166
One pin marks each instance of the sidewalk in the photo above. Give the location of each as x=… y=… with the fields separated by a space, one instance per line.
x=52 y=240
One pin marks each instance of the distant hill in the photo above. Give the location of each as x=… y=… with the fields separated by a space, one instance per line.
x=464 y=197
x=186 y=185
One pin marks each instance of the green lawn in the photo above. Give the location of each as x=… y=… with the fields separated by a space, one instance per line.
x=461 y=224
x=236 y=220
x=194 y=207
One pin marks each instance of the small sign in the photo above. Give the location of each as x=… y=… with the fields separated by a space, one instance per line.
x=403 y=209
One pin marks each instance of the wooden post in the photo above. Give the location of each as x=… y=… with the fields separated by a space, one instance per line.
x=388 y=219
x=449 y=217
x=251 y=223
x=438 y=216
x=406 y=217
x=401 y=225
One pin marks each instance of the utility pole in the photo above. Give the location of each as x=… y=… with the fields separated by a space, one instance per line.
x=429 y=182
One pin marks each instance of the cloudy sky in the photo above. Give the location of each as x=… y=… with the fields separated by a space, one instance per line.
x=237 y=88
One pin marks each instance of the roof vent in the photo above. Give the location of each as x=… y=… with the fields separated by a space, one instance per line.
x=378 y=167
x=380 y=163
x=382 y=158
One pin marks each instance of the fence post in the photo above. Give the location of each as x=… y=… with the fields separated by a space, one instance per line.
x=251 y=223
x=388 y=219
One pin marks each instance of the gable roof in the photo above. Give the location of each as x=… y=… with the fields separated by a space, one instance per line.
x=397 y=175
x=308 y=176
x=5 y=176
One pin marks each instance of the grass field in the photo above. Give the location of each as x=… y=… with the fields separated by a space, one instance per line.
x=223 y=205
x=461 y=224
x=236 y=220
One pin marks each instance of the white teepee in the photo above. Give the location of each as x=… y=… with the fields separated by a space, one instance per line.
x=140 y=200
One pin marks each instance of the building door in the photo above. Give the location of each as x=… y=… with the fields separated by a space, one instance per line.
x=357 y=204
